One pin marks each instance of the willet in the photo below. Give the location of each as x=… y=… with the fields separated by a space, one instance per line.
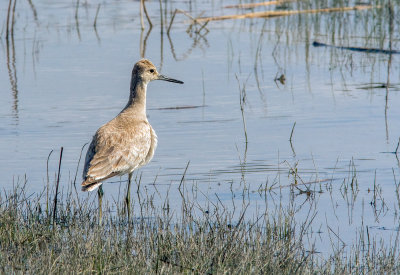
x=128 y=141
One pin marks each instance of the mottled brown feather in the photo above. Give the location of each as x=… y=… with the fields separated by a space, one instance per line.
x=128 y=141
x=115 y=152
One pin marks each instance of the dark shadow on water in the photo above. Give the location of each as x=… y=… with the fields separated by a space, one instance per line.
x=357 y=49
x=387 y=86
x=208 y=121
x=179 y=107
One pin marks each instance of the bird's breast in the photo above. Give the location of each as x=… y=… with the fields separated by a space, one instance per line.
x=153 y=145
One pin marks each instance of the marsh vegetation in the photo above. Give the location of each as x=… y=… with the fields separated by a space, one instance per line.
x=280 y=154
x=207 y=237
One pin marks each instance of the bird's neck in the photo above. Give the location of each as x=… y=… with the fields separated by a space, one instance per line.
x=137 y=99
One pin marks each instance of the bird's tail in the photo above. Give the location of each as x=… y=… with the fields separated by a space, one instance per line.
x=86 y=186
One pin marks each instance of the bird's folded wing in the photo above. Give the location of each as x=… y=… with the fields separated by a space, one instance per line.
x=114 y=151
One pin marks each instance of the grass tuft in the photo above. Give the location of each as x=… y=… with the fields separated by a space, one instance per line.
x=157 y=240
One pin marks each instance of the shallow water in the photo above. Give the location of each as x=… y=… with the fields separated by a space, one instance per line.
x=62 y=79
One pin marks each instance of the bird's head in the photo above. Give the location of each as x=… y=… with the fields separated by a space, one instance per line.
x=146 y=72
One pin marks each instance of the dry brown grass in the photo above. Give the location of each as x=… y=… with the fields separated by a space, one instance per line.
x=279 y=13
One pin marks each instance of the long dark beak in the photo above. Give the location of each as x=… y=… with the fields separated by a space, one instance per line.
x=162 y=77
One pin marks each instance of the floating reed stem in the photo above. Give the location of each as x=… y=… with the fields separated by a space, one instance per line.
x=267 y=14
x=254 y=5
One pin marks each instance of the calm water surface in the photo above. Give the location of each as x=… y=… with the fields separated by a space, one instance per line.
x=61 y=79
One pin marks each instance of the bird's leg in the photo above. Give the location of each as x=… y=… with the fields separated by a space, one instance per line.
x=100 y=194
x=128 y=196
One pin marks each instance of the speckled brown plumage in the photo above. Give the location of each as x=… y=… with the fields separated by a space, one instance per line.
x=128 y=141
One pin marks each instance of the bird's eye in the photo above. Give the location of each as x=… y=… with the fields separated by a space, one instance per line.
x=151 y=70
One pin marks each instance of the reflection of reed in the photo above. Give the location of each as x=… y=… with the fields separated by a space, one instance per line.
x=335 y=29
x=391 y=27
x=10 y=51
x=12 y=74
x=95 y=23
x=396 y=153
x=143 y=8
x=8 y=20
x=161 y=36
x=143 y=43
x=242 y=99
x=77 y=20
x=33 y=10
x=256 y=66
x=196 y=30
x=198 y=41
x=290 y=140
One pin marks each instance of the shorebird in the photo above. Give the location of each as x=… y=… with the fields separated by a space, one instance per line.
x=126 y=142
